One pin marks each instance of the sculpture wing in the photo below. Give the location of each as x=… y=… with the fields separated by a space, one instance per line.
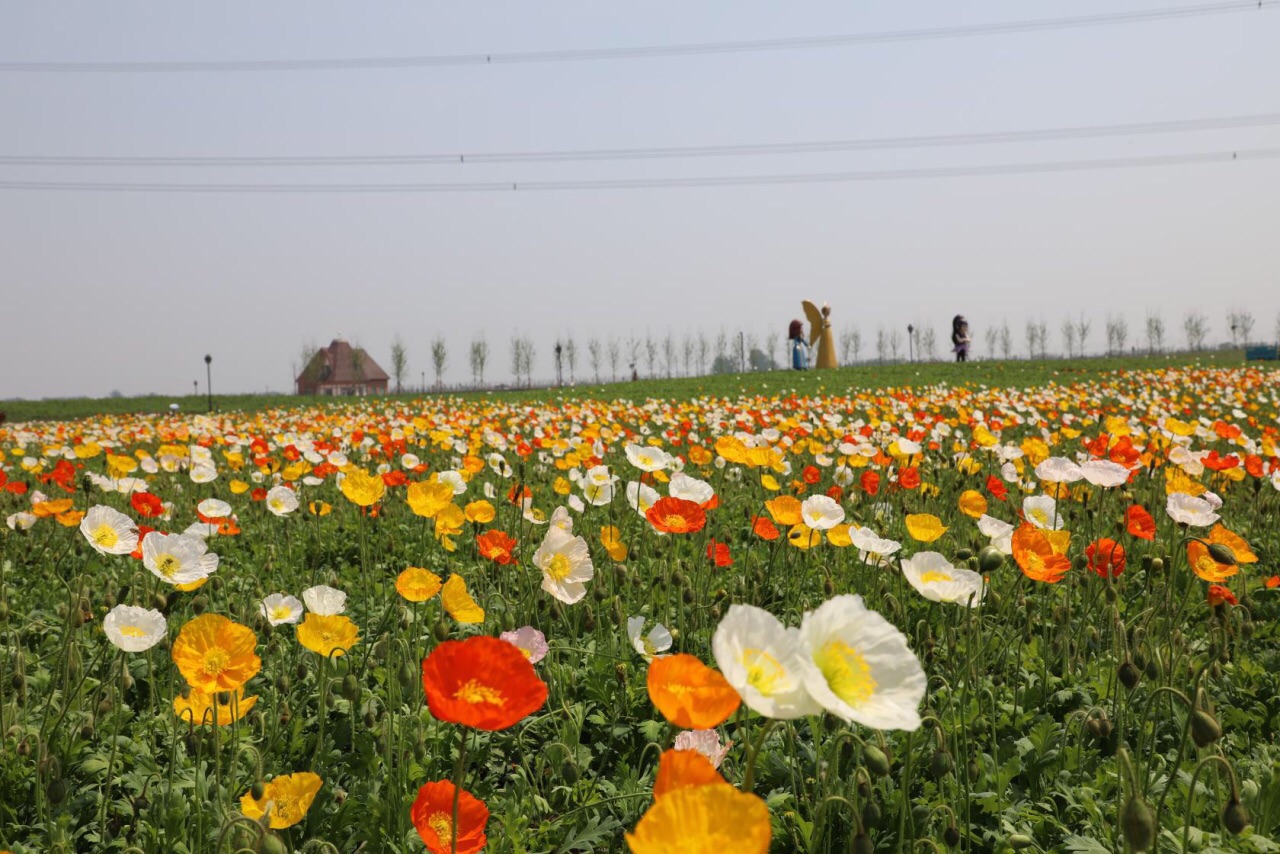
x=812 y=312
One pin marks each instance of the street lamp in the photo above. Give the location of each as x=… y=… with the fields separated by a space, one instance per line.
x=911 y=331
x=208 y=378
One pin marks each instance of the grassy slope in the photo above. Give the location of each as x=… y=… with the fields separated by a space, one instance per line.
x=1017 y=373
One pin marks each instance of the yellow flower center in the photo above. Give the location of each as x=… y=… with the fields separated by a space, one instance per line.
x=934 y=575
x=649 y=648
x=442 y=824
x=132 y=632
x=104 y=535
x=286 y=809
x=559 y=568
x=764 y=672
x=281 y=612
x=846 y=672
x=1041 y=516
x=676 y=522
x=168 y=565
x=215 y=661
x=473 y=692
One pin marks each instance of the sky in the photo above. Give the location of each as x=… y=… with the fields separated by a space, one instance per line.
x=127 y=292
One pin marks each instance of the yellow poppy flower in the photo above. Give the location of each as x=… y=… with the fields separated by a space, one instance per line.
x=417 y=584
x=288 y=798
x=972 y=503
x=328 y=635
x=711 y=819
x=925 y=527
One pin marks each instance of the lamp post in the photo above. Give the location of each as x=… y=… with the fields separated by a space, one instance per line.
x=208 y=378
x=911 y=340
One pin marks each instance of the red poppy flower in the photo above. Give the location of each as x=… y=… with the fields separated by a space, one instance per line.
x=870 y=482
x=143 y=530
x=517 y=494
x=1098 y=447
x=147 y=505
x=835 y=493
x=1106 y=557
x=1273 y=582
x=1253 y=465
x=481 y=682
x=16 y=487
x=811 y=475
x=1124 y=453
x=395 y=478
x=432 y=814
x=997 y=488
x=1213 y=462
x=497 y=546
x=676 y=516
x=1218 y=594
x=718 y=554
x=764 y=528
x=258 y=494
x=1138 y=522
x=909 y=478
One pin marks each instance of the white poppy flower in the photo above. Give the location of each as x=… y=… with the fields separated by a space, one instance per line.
x=657 y=641
x=134 y=629
x=641 y=496
x=934 y=578
x=706 y=742
x=1042 y=511
x=177 y=558
x=454 y=479
x=1105 y=473
x=281 y=500
x=686 y=487
x=109 y=531
x=821 y=512
x=324 y=600
x=214 y=508
x=565 y=562
x=1190 y=510
x=279 y=608
x=760 y=658
x=857 y=666
x=1059 y=470
x=647 y=457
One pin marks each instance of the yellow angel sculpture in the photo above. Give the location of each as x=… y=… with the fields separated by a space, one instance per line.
x=821 y=334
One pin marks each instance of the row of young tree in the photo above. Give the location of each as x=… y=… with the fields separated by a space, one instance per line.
x=695 y=353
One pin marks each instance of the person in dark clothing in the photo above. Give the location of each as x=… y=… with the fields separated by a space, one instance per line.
x=960 y=337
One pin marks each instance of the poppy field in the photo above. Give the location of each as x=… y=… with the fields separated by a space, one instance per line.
x=965 y=617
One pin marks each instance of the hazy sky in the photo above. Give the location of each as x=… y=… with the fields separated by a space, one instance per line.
x=106 y=291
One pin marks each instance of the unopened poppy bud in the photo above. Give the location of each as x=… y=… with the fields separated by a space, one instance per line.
x=569 y=772
x=829 y=587
x=876 y=760
x=283 y=683
x=1157 y=565
x=964 y=554
x=1235 y=816
x=951 y=835
x=990 y=559
x=258 y=791
x=1205 y=729
x=350 y=687
x=200 y=604
x=1019 y=841
x=1222 y=554
x=370 y=719
x=941 y=764
x=56 y=790
x=871 y=814
x=862 y=844
x=1137 y=823
x=1130 y=676
x=441 y=630
x=272 y=844
x=620 y=672
x=1079 y=562
x=18 y=681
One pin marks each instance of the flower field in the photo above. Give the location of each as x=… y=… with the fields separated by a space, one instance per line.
x=937 y=618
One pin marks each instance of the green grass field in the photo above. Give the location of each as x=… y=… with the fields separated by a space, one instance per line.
x=1014 y=373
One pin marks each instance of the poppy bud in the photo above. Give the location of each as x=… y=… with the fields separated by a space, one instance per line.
x=829 y=587
x=77 y=618
x=974 y=769
x=200 y=604
x=350 y=687
x=1205 y=729
x=620 y=573
x=1137 y=823
x=370 y=719
x=1130 y=676
x=876 y=760
x=258 y=791
x=598 y=593
x=272 y=844
x=441 y=630
x=1019 y=841
x=56 y=791
x=620 y=672
x=1222 y=554
x=941 y=764
x=1079 y=562
x=569 y=772
x=990 y=559
x=300 y=671
x=687 y=597
x=285 y=714
x=407 y=677
x=871 y=814
x=1157 y=565
x=951 y=835
x=1100 y=727
x=18 y=681
x=862 y=844
x=1235 y=816
x=86 y=729
x=161 y=601
x=283 y=683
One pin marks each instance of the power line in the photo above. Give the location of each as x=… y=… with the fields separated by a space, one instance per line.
x=656 y=183
x=750 y=149
x=645 y=52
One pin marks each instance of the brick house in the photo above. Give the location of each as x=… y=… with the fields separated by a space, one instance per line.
x=341 y=369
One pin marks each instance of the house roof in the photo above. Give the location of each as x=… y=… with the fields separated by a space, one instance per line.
x=340 y=363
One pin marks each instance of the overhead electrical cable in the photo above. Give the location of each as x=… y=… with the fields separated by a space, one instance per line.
x=603 y=154
x=643 y=52
x=655 y=183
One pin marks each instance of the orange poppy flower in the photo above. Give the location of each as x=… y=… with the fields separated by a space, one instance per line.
x=1035 y=556
x=676 y=516
x=432 y=815
x=909 y=478
x=497 y=546
x=215 y=654
x=1273 y=582
x=1218 y=594
x=679 y=769
x=481 y=682
x=147 y=505
x=1106 y=557
x=1203 y=564
x=689 y=694
x=718 y=554
x=870 y=482
x=785 y=510
x=764 y=529
x=1138 y=522
x=997 y=488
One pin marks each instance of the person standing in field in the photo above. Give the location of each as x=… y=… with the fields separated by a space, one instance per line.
x=960 y=337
